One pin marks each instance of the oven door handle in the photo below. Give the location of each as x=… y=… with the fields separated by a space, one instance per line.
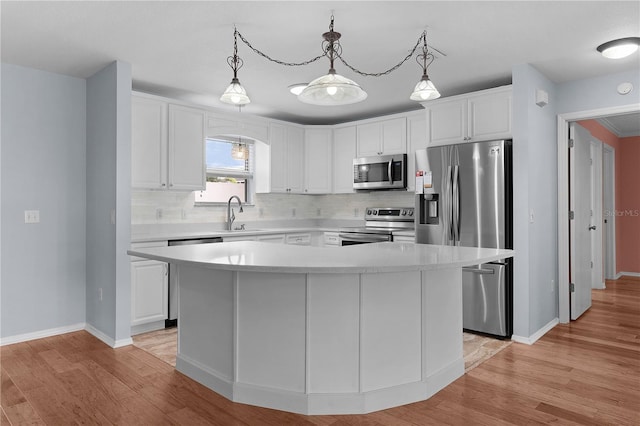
x=364 y=237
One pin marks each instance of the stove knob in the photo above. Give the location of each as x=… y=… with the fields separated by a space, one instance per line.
x=404 y=212
x=368 y=212
x=375 y=212
x=410 y=212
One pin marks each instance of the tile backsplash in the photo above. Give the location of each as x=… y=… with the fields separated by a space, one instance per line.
x=164 y=207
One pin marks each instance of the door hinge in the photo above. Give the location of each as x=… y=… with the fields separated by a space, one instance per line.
x=572 y=288
x=570 y=143
x=571 y=215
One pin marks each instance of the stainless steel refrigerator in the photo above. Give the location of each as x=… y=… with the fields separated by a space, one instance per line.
x=464 y=198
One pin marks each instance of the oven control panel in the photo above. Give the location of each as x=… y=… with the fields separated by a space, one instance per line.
x=390 y=214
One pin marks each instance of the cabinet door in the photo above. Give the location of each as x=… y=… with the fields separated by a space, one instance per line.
x=149 y=291
x=447 y=122
x=299 y=239
x=394 y=136
x=295 y=159
x=148 y=143
x=490 y=116
x=417 y=139
x=317 y=154
x=344 y=151
x=369 y=138
x=278 y=152
x=186 y=148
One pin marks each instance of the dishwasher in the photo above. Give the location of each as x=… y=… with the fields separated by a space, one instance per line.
x=172 y=314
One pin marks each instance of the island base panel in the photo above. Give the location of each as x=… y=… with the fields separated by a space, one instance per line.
x=273 y=339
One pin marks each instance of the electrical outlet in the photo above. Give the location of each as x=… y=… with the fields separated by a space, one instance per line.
x=293 y=212
x=158 y=214
x=100 y=294
x=32 y=216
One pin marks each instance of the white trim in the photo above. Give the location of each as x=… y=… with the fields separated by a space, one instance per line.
x=106 y=339
x=563 y=197
x=537 y=335
x=609 y=165
x=19 y=338
x=628 y=274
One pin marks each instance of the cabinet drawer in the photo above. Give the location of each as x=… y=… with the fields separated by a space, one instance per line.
x=331 y=239
x=299 y=239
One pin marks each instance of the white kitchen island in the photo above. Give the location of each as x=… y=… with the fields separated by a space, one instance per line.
x=316 y=330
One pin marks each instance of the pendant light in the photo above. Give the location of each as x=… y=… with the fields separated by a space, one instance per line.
x=235 y=93
x=425 y=89
x=332 y=89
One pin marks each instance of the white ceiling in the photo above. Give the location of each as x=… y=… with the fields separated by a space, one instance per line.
x=179 y=48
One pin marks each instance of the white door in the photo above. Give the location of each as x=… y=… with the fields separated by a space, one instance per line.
x=609 y=233
x=579 y=229
x=597 y=274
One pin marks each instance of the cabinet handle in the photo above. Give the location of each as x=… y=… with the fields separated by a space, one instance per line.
x=164 y=184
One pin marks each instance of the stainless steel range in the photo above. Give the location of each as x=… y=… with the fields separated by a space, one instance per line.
x=380 y=224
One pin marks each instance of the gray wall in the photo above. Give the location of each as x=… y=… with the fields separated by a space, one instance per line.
x=109 y=200
x=43 y=168
x=535 y=183
x=596 y=93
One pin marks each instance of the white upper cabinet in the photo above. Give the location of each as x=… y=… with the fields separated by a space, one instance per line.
x=344 y=151
x=416 y=139
x=287 y=158
x=318 y=159
x=187 y=168
x=167 y=145
x=476 y=116
x=148 y=143
x=382 y=137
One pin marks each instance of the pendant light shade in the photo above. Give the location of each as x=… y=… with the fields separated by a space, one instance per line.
x=235 y=94
x=424 y=91
x=332 y=89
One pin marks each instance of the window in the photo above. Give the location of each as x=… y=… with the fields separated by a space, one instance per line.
x=229 y=171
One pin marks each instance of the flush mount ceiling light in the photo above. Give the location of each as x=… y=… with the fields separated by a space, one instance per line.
x=235 y=93
x=332 y=89
x=620 y=48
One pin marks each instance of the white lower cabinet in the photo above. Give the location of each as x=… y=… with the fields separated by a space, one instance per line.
x=226 y=239
x=149 y=292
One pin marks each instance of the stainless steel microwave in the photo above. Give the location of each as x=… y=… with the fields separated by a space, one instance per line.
x=380 y=172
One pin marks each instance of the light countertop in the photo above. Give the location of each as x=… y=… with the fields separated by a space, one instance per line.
x=363 y=258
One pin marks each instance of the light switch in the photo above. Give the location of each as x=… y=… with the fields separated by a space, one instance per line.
x=32 y=216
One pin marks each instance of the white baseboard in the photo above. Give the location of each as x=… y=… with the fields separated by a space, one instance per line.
x=627 y=274
x=41 y=334
x=108 y=340
x=537 y=335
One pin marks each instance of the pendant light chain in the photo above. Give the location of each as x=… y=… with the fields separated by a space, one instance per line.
x=338 y=55
x=277 y=61
x=390 y=70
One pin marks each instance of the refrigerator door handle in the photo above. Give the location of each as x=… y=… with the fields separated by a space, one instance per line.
x=449 y=206
x=456 y=203
x=479 y=270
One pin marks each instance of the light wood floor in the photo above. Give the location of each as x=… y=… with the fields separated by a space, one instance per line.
x=586 y=372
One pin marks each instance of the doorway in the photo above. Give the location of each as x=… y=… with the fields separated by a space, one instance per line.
x=563 y=197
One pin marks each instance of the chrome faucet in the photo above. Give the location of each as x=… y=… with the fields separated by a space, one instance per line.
x=230 y=213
